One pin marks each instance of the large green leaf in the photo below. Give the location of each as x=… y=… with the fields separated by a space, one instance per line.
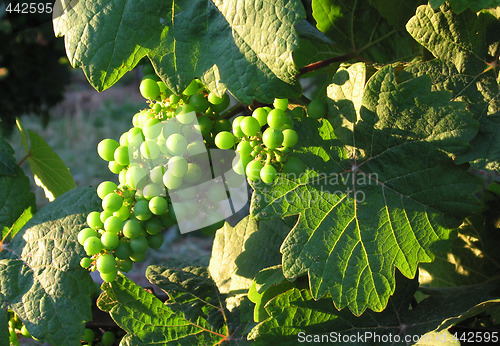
x=149 y=321
x=15 y=197
x=382 y=192
x=41 y=277
x=359 y=28
x=244 y=46
x=461 y=5
x=7 y=160
x=295 y=311
x=395 y=11
x=239 y=253
x=463 y=45
x=4 y=327
x=108 y=38
x=49 y=171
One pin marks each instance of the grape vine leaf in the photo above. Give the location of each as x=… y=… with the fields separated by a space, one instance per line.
x=296 y=311
x=358 y=28
x=239 y=253
x=463 y=45
x=243 y=46
x=108 y=38
x=9 y=233
x=4 y=326
x=147 y=320
x=49 y=170
x=381 y=192
x=8 y=164
x=41 y=277
x=15 y=197
x=395 y=11
x=459 y=6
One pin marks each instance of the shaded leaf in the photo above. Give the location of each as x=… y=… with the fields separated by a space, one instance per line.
x=9 y=233
x=41 y=277
x=8 y=164
x=459 y=6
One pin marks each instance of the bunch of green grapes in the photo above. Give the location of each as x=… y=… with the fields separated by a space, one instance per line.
x=16 y=327
x=157 y=155
x=107 y=338
x=263 y=140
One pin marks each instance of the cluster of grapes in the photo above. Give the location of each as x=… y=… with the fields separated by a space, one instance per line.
x=263 y=140
x=165 y=148
x=108 y=338
x=16 y=327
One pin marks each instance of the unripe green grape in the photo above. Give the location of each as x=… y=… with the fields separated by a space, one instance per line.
x=105 y=188
x=280 y=103
x=164 y=91
x=166 y=220
x=136 y=176
x=237 y=121
x=294 y=166
x=156 y=174
x=268 y=174
x=176 y=144
x=222 y=125
x=238 y=132
x=214 y=99
x=94 y=220
x=272 y=138
x=205 y=125
x=121 y=155
x=112 y=202
x=141 y=210
x=88 y=335
x=110 y=240
x=123 y=213
x=150 y=150
x=276 y=118
x=174 y=99
x=316 y=109
x=191 y=89
x=244 y=148
x=122 y=177
x=155 y=241
x=171 y=181
x=115 y=167
x=152 y=190
x=193 y=174
x=124 y=139
x=106 y=149
x=108 y=338
x=250 y=126
x=104 y=215
x=124 y=265
x=199 y=102
x=135 y=137
x=149 y=89
x=178 y=166
x=196 y=147
x=113 y=224
x=253 y=170
x=85 y=262
x=123 y=250
x=92 y=246
x=290 y=138
x=154 y=226
x=86 y=233
x=132 y=229
x=239 y=164
x=109 y=277
x=152 y=128
x=224 y=140
x=186 y=114
x=218 y=108
x=139 y=244
x=261 y=115
x=137 y=256
x=158 y=205
x=106 y=263
x=216 y=193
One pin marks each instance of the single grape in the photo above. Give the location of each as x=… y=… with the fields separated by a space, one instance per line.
x=108 y=338
x=150 y=150
x=122 y=177
x=137 y=256
x=174 y=99
x=218 y=108
x=191 y=89
x=124 y=139
x=124 y=265
x=149 y=89
x=280 y=103
x=237 y=121
x=106 y=263
x=112 y=202
x=199 y=102
x=316 y=109
x=86 y=233
x=176 y=144
x=154 y=226
x=261 y=115
x=186 y=114
x=115 y=167
x=276 y=118
x=290 y=138
x=92 y=246
x=109 y=277
x=156 y=174
x=272 y=138
x=123 y=213
x=152 y=190
x=288 y=124
x=135 y=137
x=253 y=170
x=155 y=241
x=104 y=215
x=110 y=240
x=240 y=163
x=25 y=333
x=178 y=166
x=193 y=174
x=94 y=220
x=105 y=188
x=214 y=99
x=106 y=149
x=224 y=140
x=139 y=244
x=113 y=224
x=250 y=126
x=268 y=174
x=166 y=220
x=244 y=148
x=121 y=155
x=216 y=193
x=158 y=205
x=171 y=181
x=132 y=229
x=136 y=176
x=294 y=166
x=141 y=210
x=152 y=128
x=123 y=249
x=85 y=262
x=88 y=335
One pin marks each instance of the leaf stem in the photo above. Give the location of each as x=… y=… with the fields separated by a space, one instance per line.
x=322 y=63
x=237 y=108
x=24 y=159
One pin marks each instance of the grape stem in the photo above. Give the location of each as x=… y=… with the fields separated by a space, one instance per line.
x=24 y=159
x=322 y=63
x=237 y=108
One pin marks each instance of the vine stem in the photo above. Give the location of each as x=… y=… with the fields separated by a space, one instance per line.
x=237 y=108
x=322 y=63
x=24 y=159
